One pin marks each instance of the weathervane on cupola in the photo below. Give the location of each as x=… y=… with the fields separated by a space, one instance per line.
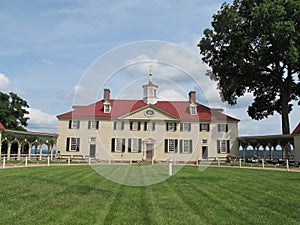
x=150 y=90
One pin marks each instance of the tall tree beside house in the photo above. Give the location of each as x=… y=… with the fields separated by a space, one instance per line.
x=13 y=111
x=254 y=46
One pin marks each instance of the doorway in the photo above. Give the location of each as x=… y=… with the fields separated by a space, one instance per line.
x=149 y=151
x=92 y=150
x=204 y=152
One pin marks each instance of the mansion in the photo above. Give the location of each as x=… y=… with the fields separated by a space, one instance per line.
x=147 y=129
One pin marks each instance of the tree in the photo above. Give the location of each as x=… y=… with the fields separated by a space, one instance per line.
x=254 y=46
x=13 y=111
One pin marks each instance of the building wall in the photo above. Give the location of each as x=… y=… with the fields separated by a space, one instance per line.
x=297 y=147
x=104 y=134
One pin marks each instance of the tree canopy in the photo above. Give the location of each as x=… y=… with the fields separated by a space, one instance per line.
x=254 y=46
x=13 y=111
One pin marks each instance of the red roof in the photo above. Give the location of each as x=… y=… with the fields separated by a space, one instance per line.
x=1 y=126
x=297 y=129
x=176 y=109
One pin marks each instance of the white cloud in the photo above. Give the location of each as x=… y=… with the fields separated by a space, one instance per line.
x=4 y=82
x=41 y=121
x=172 y=95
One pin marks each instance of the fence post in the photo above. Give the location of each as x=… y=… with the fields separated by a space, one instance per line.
x=170 y=167
x=26 y=161
x=287 y=165
x=69 y=160
x=263 y=164
x=3 y=162
x=89 y=160
x=48 y=161
x=240 y=163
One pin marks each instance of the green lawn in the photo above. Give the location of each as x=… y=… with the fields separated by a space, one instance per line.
x=78 y=195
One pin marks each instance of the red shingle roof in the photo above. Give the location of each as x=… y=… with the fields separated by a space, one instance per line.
x=176 y=109
x=1 y=126
x=297 y=129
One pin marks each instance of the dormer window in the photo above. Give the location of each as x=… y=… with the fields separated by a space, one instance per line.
x=193 y=109
x=107 y=107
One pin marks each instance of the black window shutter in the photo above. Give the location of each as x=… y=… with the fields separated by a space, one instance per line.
x=208 y=126
x=180 y=146
x=218 y=146
x=70 y=124
x=175 y=126
x=167 y=126
x=190 y=127
x=181 y=126
x=77 y=144
x=226 y=127
x=123 y=144
x=191 y=146
x=166 y=145
x=113 y=144
x=145 y=125
x=97 y=125
x=228 y=146
x=115 y=125
x=89 y=124
x=122 y=125
x=153 y=125
x=219 y=126
x=140 y=145
x=139 y=125
x=68 y=145
x=176 y=146
x=130 y=125
x=129 y=145
x=200 y=127
x=78 y=124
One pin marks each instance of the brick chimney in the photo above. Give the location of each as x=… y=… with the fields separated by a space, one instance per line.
x=192 y=97
x=106 y=95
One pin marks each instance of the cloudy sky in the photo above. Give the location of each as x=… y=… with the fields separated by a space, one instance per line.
x=62 y=52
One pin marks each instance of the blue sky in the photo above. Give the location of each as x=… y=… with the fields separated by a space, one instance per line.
x=48 y=48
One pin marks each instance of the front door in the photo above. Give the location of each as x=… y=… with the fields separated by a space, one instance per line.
x=92 y=150
x=204 y=152
x=149 y=151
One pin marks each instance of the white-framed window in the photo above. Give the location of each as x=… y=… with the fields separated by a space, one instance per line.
x=118 y=125
x=92 y=139
x=223 y=127
x=74 y=124
x=106 y=107
x=223 y=146
x=135 y=125
x=185 y=126
x=171 y=126
x=134 y=145
x=149 y=126
x=204 y=127
x=93 y=124
x=193 y=110
x=186 y=146
x=171 y=145
x=118 y=144
x=73 y=144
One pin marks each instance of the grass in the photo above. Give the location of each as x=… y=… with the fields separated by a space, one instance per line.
x=78 y=195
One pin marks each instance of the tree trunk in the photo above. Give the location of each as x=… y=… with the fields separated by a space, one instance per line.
x=285 y=123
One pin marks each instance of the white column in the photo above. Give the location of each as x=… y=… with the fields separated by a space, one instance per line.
x=8 y=151
x=19 y=151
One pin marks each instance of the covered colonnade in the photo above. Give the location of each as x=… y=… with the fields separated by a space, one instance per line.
x=21 y=144
x=269 y=148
